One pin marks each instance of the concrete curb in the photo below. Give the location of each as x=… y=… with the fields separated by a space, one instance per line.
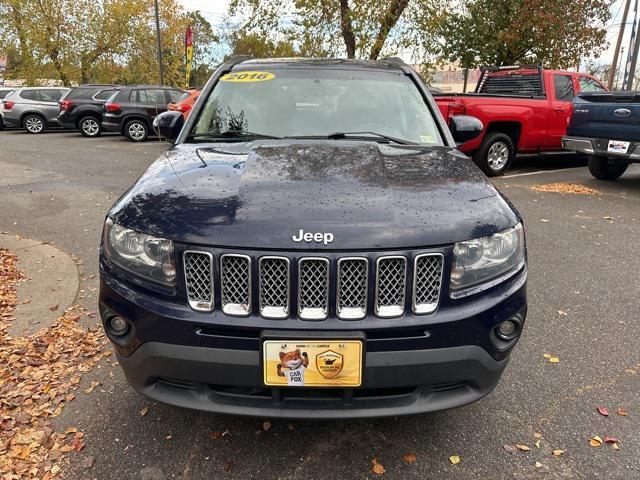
x=52 y=283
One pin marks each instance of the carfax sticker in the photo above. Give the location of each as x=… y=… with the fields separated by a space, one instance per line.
x=245 y=77
x=298 y=363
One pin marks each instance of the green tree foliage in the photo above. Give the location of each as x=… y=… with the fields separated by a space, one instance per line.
x=507 y=32
x=100 y=40
x=357 y=28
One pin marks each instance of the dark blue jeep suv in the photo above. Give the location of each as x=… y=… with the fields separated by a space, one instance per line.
x=314 y=246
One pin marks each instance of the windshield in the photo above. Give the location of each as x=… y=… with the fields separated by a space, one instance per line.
x=302 y=102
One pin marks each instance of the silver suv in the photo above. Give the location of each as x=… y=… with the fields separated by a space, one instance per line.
x=33 y=109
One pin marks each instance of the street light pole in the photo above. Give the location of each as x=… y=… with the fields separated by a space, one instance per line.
x=159 y=44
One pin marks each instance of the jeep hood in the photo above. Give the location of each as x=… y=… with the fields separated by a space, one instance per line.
x=261 y=194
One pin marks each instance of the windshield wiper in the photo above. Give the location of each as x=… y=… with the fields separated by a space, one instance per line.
x=231 y=134
x=339 y=135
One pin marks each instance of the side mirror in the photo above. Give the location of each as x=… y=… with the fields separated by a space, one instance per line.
x=465 y=128
x=168 y=125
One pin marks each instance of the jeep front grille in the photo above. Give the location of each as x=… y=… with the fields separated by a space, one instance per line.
x=427 y=280
x=352 y=288
x=391 y=274
x=334 y=286
x=274 y=287
x=313 y=288
x=235 y=273
x=198 y=272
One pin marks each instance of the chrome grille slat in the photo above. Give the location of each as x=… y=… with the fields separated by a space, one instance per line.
x=351 y=298
x=391 y=274
x=198 y=270
x=235 y=282
x=427 y=282
x=274 y=287
x=313 y=288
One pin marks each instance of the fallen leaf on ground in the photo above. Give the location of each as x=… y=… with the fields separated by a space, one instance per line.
x=409 y=458
x=608 y=439
x=615 y=446
x=544 y=220
x=554 y=360
x=93 y=385
x=39 y=375
x=87 y=462
x=603 y=411
x=538 y=465
x=509 y=448
x=54 y=308
x=266 y=426
x=561 y=187
x=537 y=435
x=595 y=441
x=537 y=444
x=454 y=459
x=546 y=355
x=557 y=452
x=562 y=313
x=144 y=411
x=168 y=437
x=522 y=447
x=377 y=467
x=622 y=412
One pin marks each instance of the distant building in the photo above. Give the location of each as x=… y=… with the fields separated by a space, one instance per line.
x=449 y=77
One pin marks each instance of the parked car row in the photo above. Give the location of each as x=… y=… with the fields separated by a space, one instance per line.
x=92 y=109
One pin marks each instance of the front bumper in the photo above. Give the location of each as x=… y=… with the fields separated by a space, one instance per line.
x=599 y=147
x=413 y=364
x=228 y=381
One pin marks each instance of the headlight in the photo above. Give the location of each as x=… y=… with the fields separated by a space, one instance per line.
x=482 y=260
x=144 y=255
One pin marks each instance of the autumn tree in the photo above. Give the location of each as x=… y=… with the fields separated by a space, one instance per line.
x=355 y=28
x=111 y=41
x=508 y=32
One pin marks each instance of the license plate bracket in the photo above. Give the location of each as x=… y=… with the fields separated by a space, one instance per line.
x=312 y=359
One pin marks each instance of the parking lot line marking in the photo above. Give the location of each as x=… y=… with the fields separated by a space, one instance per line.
x=539 y=172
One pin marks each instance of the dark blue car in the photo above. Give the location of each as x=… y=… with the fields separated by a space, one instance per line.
x=314 y=246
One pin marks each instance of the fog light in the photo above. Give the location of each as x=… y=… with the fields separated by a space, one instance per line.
x=118 y=325
x=507 y=330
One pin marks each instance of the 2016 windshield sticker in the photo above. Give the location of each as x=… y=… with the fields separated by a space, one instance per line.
x=239 y=77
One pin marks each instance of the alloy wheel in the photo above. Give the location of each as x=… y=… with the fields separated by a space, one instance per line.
x=90 y=127
x=34 y=124
x=497 y=156
x=137 y=131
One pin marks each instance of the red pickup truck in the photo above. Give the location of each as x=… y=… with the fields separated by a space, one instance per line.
x=523 y=110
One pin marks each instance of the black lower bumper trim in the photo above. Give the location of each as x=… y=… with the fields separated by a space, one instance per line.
x=395 y=383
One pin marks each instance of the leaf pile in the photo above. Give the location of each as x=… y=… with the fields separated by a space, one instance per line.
x=561 y=187
x=38 y=375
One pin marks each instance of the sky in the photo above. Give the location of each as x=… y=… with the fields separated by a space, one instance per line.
x=215 y=11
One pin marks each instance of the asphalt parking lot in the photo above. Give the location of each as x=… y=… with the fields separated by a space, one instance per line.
x=584 y=293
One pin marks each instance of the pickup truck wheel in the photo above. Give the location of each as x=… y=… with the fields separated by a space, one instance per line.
x=495 y=154
x=604 y=168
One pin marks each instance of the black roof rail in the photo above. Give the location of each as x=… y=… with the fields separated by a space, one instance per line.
x=236 y=59
x=497 y=68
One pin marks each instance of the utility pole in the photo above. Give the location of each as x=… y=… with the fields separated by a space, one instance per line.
x=159 y=44
x=619 y=68
x=614 y=63
x=634 y=61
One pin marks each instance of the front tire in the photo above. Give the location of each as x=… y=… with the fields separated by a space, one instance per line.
x=136 y=131
x=90 y=127
x=604 y=168
x=495 y=155
x=33 y=124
